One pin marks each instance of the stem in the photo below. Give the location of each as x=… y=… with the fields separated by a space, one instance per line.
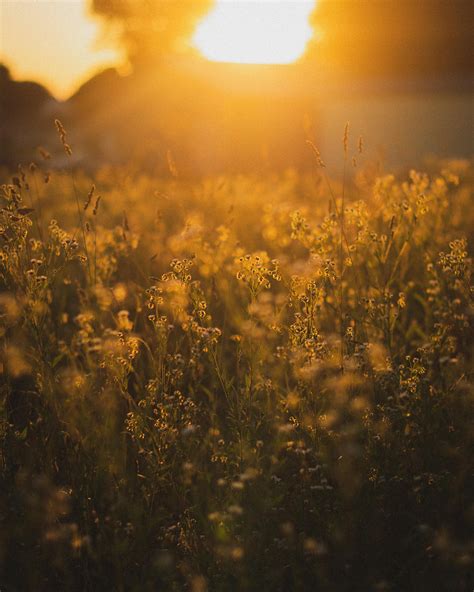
x=81 y=222
x=39 y=221
x=341 y=262
x=95 y=254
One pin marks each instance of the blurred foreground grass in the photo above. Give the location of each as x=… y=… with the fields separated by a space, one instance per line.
x=229 y=385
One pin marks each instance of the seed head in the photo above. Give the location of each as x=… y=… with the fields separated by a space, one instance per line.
x=96 y=206
x=45 y=155
x=61 y=130
x=345 y=139
x=89 y=197
x=62 y=136
x=316 y=152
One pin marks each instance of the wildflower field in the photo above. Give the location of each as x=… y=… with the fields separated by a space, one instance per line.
x=236 y=383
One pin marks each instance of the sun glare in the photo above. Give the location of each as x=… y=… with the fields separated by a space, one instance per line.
x=255 y=31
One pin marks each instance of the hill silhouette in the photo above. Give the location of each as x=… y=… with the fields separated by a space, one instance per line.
x=26 y=109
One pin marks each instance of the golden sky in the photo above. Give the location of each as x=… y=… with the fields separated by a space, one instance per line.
x=54 y=42
x=57 y=43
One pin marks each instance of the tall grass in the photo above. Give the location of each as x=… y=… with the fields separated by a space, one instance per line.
x=173 y=415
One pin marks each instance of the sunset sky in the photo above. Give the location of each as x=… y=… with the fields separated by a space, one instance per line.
x=69 y=48
x=53 y=42
x=59 y=43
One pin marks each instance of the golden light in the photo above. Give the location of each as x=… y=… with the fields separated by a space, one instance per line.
x=255 y=31
x=59 y=50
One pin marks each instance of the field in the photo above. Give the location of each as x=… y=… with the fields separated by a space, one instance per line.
x=237 y=383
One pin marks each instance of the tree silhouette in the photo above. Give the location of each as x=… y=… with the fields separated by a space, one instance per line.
x=152 y=28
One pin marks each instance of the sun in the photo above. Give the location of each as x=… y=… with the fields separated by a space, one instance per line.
x=255 y=31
